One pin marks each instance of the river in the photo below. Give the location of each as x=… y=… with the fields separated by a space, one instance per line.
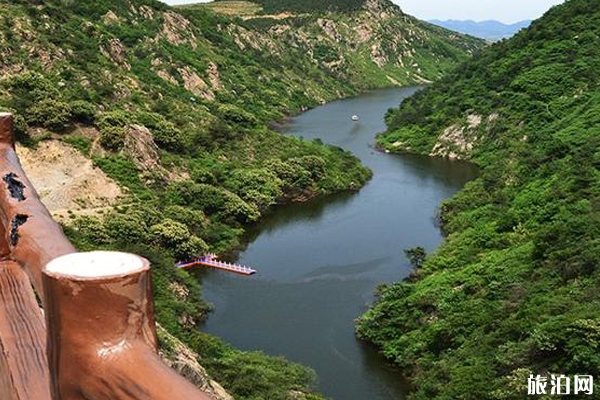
x=320 y=262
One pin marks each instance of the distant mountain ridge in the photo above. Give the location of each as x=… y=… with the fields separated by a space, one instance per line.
x=274 y=6
x=362 y=43
x=490 y=30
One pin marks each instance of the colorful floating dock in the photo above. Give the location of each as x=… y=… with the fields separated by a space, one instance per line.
x=211 y=261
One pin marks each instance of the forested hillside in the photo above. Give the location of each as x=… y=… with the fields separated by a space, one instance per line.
x=172 y=106
x=365 y=44
x=274 y=6
x=514 y=289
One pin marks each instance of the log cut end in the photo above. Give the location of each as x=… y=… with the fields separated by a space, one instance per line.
x=96 y=265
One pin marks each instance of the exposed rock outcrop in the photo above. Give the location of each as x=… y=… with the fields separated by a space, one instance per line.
x=185 y=362
x=195 y=84
x=139 y=146
x=146 y=12
x=214 y=77
x=379 y=34
x=116 y=52
x=176 y=30
x=110 y=18
x=67 y=181
x=457 y=141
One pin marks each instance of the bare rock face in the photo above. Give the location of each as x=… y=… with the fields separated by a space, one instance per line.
x=213 y=75
x=67 y=181
x=379 y=9
x=458 y=140
x=298 y=395
x=379 y=32
x=158 y=67
x=180 y=291
x=330 y=29
x=378 y=56
x=110 y=18
x=183 y=360
x=115 y=51
x=140 y=147
x=147 y=12
x=176 y=30
x=167 y=77
x=195 y=84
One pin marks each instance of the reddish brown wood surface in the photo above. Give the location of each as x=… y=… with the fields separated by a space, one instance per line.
x=23 y=365
x=105 y=327
x=29 y=235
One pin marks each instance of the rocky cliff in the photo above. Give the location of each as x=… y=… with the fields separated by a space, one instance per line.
x=372 y=44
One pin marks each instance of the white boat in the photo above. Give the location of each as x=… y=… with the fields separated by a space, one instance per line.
x=355 y=118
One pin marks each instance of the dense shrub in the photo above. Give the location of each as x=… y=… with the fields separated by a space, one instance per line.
x=257 y=186
x=200 y=174
x=83 y=111
x=235 y=116
x=277 y=6
x=212 y=200
x=195 y=220
x=293 y=174
x=93 y=230
x=29 y=88
x=218 y=132
x=112 y=137
x=176 y=237
x=127 y=228
x=115 y=119
x=165 y=134
x=49 y=113
x=315 y=166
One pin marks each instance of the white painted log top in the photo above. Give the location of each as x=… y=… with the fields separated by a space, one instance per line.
x=95 y=264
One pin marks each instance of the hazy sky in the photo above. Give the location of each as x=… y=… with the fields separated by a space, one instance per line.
x=502 y=10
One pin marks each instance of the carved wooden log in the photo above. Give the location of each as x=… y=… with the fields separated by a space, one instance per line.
x=28 y=234
x=23 y=366
x=101 y=332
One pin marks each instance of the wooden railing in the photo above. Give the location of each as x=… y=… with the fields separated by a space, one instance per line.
x=98 y=338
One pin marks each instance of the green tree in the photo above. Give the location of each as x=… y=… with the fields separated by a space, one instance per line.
x=50 y=113
x=176 y=237
x=416 y=256
x=112 y=137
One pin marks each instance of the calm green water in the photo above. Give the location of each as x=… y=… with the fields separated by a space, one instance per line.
x=320 y=262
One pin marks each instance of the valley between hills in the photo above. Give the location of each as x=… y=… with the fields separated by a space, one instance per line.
x=149 y=129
